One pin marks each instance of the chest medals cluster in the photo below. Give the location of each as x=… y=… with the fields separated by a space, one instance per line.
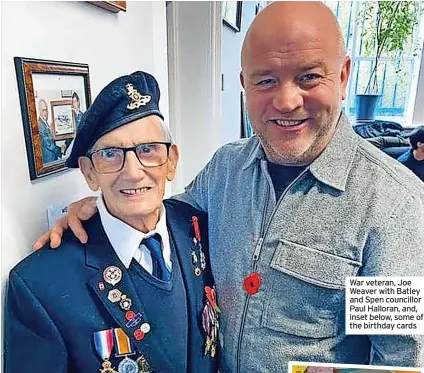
x=115 y=339
x=210 y=312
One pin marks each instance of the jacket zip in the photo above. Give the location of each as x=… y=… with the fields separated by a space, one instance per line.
x=256 y=255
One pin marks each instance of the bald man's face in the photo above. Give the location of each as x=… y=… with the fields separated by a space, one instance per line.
x=295 y=78
x=44 y=114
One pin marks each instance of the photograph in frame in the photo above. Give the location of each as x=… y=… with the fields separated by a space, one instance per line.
x=231 y=14
x=53 y=97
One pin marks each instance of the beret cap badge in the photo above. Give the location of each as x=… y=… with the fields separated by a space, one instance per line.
x=137 y=99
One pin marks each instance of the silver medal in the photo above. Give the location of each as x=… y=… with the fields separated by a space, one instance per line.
x=128 y=366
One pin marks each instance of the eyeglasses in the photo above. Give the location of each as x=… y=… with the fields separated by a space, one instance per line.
x=110 y=160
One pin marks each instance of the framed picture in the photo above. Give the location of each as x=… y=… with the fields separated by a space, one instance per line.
x=111 y=6
x=53 y=97
x=231 y=14
x=63 y=123
x=245 y=128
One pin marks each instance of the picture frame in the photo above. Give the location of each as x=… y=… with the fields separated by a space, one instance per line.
x=111 y=6
x=232 y=14
x=63 y=123
x=246 y=129
x=53 y=96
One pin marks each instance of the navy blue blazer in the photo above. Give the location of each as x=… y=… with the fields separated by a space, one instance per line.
x=57 y=299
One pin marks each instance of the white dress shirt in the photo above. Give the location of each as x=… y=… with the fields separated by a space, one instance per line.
x=126 y=240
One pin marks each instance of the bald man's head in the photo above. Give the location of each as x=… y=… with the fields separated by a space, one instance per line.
x=286 y=17
x=295 y=72
x=42 y=109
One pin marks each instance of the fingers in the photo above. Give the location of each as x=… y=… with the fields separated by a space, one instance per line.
x=76 y=227
x=78 y=211
x=41 y=241
x=83 y=209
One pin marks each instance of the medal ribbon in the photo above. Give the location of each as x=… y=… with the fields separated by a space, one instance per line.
x=123 y=344
x=103 y=341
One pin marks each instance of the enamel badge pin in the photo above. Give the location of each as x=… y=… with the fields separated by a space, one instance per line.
x=112 y=275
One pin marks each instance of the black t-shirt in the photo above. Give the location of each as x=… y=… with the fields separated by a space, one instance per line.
x=417 y=167
x=282 y=176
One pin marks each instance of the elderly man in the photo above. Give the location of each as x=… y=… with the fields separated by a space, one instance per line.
x=138 y=296
x=50 y=151
x=302 y=205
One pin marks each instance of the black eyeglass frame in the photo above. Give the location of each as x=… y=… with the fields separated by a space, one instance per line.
x=168 y=145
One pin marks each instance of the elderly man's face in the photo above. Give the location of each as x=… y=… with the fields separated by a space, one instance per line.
x=134 y=194
x=75 y=104
x=295 y=80
x=44 y=114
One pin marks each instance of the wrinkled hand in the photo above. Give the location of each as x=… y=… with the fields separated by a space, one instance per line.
x=78 y=211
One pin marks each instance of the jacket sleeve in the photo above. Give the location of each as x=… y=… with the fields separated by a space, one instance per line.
x=32 y=342
x=397 y=249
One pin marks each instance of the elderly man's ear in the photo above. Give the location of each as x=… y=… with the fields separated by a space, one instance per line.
x=174 y=155
x=88 y=171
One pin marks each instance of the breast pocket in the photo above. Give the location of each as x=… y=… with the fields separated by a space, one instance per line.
x=306 y=291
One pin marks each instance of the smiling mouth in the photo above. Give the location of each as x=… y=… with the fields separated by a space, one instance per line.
x=288 y=123
x=138 y=191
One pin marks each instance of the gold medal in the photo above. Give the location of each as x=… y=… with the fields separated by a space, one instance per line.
x=107 y=367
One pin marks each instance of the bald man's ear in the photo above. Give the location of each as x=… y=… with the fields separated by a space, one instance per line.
x=344 y=76
x=241 y=79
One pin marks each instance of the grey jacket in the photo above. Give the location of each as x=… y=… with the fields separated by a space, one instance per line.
x=353 y=212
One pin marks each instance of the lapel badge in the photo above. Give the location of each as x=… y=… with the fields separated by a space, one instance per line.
x=200 y=255
x=137 y=99
x=202 y=260
x=114 y=295
x=194 y=257
x=134 y=321
x=252 y=283
x=145 y=327
x=101 y=285
x=138 y=334
x=195 y=221
x=112 y=275
x=125 y=302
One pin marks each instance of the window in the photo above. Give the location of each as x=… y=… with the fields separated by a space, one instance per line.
x=398 y=74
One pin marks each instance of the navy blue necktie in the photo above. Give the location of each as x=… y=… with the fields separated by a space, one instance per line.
x=160 y=270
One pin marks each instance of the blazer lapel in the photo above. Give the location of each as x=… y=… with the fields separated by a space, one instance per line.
x=182 y=233
x=113 y=286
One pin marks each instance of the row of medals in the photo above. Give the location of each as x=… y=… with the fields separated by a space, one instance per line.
x=210 y=312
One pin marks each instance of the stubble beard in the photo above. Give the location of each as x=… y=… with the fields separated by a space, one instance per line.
x=306 y=155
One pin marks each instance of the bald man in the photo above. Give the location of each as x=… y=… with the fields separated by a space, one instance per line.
x=302 y=205
x=50 y=151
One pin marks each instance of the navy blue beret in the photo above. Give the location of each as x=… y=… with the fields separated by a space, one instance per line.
x=122 y=101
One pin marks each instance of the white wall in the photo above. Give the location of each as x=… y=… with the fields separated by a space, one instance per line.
x=194 y=72
x=112 y=45
x=230 y=96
